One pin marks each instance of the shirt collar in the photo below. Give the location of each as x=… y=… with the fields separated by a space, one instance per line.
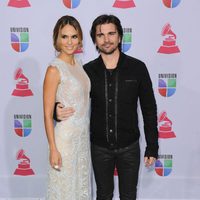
x=119 y=64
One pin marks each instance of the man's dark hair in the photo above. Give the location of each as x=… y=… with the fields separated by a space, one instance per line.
x=106 y=19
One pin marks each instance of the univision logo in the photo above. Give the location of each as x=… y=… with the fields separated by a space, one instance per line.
x=19 y=39
x=163 y=165
x=22 y=125
x=167 y=84
x=71 y=3
x=171 y=3
x=127 y=39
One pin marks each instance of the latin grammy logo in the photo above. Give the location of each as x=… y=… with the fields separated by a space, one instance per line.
x=79 y=50
x=124 y=4
x=23 y=168
x=22 y=88
x=165 y=126
x=169 y=43
x=19 y=3
x=115 y=172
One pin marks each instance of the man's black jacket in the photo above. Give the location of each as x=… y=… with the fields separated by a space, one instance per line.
x=114 y=99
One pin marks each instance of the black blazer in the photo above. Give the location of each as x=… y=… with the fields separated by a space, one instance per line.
x=130 y=82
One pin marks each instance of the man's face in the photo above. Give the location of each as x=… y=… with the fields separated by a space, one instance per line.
x=107 y=38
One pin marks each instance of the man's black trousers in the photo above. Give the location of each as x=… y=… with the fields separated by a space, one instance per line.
x=126 y=160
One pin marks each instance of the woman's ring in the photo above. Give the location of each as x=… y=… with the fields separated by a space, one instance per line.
x=56 y=166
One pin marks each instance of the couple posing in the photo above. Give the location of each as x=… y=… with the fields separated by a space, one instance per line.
x=109 y=134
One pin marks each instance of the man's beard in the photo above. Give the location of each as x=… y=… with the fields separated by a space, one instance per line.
x=101 y=50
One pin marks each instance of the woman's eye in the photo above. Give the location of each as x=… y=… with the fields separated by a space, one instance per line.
x=64 y=36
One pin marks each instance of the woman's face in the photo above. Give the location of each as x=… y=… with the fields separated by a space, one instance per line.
x=68 y=40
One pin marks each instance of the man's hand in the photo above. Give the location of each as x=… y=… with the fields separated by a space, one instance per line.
x=63 y=113
x=149 y=161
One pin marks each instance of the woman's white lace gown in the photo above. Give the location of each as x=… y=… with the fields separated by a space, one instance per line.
x=72 y=182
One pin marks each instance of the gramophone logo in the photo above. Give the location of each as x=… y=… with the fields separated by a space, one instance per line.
x=19 y=39
x=165 y=126
x=19 y=3
x=115 y=172
x=171 y=3
x=163 y=165
x=169 y=43
x=127 y=39
x=22 y=84
x=71 y=3
x=124 y=4
x=24 y=168
x=167 y=84
x=22 y=125
x=79 y=50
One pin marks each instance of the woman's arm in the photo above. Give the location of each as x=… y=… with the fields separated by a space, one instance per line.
x=51 y=81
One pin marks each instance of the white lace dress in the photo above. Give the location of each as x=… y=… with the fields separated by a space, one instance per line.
x=72 y=182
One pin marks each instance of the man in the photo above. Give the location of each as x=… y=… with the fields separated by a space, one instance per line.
x=117 y=82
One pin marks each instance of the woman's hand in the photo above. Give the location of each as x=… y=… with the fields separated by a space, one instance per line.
x=55 y=159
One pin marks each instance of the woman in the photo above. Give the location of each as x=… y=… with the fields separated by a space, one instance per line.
x=66 y=82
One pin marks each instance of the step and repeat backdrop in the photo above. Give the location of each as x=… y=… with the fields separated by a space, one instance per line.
x=165 y=34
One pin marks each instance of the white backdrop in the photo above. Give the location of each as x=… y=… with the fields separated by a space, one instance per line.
x=26 y=49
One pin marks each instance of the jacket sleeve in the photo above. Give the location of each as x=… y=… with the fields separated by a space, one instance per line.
x=54 y=113
x=149 y=113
